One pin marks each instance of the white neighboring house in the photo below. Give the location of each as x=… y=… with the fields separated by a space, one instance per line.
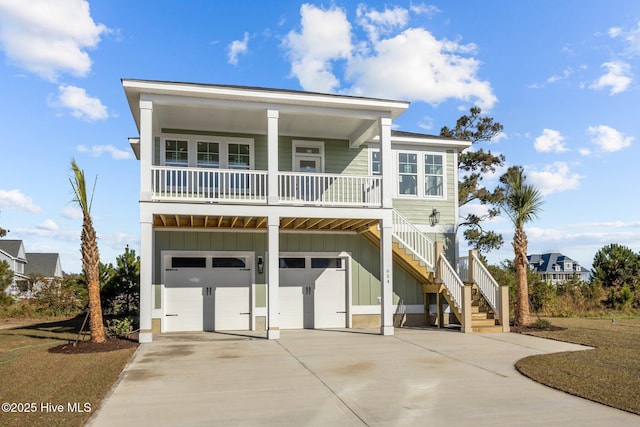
x=12 y=251
x=45 y=266
x=272 y=209
x=23 y=265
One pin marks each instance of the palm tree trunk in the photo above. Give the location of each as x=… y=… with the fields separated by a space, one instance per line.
x=91 y=265
x=520 y=251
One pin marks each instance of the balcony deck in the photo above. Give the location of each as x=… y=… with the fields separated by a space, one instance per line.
x=206 y=185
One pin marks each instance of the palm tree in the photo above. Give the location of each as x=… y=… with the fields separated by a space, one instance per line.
x=522 y=203
x=89 y=250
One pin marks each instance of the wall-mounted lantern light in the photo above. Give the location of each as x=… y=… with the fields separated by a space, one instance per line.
x=434 y=218
x=260 y=265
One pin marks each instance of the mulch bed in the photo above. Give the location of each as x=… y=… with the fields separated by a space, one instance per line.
x=82 y=347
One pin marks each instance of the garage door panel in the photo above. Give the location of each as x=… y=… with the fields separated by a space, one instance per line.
x=232 y=308
x=291 y=307
x=183 y=310
x=330 y=299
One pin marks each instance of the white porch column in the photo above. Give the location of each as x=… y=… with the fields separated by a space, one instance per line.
x=146 y=148
x=386 y=161
x=273 y=277
x=386 y=276
x=272 y=156
x=146 y=279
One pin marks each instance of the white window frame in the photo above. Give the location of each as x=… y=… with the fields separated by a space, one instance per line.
x=371 y=152
x=192 y=148
x=310 y=144
x=424 y=175
x=420 y=155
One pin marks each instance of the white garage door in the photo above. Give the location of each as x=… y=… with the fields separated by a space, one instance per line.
x=183 y=294
x=312 y=292
x=207 y=293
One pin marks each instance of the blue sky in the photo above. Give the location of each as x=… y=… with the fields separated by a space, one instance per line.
x=562 y=77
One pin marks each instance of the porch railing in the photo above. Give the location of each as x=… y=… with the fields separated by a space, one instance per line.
x=329 y=189
x=250 y=186
x=486 y=283
x=415 y=240
x=451 y=281
x=202 y=184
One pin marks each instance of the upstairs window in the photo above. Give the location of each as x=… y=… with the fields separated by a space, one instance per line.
x=408 y=173
x=176 y=152
x=208 y=154
x=433 y=175
x=376 y=165
x=239 y=156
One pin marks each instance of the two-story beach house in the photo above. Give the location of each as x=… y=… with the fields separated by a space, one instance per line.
x=268 y=209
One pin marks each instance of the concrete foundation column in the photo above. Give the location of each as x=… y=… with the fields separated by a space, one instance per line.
x=273 y=278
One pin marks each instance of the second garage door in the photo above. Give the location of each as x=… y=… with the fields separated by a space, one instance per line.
x=313 y=292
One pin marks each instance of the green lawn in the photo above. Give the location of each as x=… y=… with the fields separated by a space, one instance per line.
x=38 y=381
x=609 y=374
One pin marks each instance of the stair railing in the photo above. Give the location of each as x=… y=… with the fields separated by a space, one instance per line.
x=451 y=281
x=487 y=285
x=413 y=239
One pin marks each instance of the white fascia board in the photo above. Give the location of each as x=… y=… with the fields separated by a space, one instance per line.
x=435 y=142
x=263 y=96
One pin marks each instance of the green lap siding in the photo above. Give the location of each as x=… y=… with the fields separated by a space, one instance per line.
x=365 y=267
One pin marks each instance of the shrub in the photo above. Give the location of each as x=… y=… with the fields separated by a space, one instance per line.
x=540 y=324
x=120 y=327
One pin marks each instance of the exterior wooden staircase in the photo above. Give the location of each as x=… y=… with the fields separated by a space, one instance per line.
x=439 y=278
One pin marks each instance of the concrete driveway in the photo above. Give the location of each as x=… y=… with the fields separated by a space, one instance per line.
x=344 y=378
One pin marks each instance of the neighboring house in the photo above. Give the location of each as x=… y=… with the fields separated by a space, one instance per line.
x=12 y=251
x=44 y=266
x=27 y=265
x=269 y=209
x=555 y=268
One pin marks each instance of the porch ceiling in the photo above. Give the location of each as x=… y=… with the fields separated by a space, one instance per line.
x=240 y=120
x=260 y=223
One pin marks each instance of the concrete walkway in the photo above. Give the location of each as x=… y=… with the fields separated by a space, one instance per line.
x=344 y=378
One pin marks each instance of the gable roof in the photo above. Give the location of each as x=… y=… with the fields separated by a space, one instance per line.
x=42 y=264
x=12 y=248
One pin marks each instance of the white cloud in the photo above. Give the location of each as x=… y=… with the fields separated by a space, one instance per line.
x=414 y=65
x=566 y=73
x=238 y=47
x=424 y=9
x=49 y=37
x=71 y=212
x=48 y=225
x=82 y=106
x=631 y=37
x=14 y=199
x=411 y=64
x=617 y=77
x=608 y=139
x=376 y=23
x=325 y=37
x=554 y=178
x=550 y=140
x=98 y=150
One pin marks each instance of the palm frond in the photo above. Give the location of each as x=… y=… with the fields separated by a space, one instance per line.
x=79 y=186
